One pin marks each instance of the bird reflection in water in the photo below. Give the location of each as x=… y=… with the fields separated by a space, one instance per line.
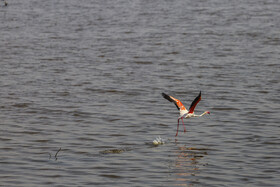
x=188 y=164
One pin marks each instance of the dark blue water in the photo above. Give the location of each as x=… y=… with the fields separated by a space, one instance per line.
x=87 y=76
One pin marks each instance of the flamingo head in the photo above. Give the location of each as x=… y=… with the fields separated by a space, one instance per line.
x=207 y=112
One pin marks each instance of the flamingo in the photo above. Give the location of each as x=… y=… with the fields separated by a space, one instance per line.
x=184 y=113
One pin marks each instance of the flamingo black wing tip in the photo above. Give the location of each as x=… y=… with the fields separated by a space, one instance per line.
x=195 y=101
x=163 y=95
x=167 y=97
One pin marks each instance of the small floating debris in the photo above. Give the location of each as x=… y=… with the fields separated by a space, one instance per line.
x=57 y=153
x=158 y=141
x=50 y=155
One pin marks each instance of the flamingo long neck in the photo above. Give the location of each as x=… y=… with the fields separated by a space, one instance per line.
x=185 y=114
x=194 y=115
x=203 y=114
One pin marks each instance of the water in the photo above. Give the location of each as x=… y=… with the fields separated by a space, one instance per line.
x=87 y=76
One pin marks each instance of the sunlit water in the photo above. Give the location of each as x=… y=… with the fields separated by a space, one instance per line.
x=87 y=76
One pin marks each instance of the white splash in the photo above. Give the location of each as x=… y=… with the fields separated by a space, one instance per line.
x=158 y=141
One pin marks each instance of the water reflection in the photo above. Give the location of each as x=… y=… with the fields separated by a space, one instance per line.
x=187 y=165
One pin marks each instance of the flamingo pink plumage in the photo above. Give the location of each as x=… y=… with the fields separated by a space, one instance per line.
x=184 y=113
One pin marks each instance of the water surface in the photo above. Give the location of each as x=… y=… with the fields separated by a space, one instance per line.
x=87 y=76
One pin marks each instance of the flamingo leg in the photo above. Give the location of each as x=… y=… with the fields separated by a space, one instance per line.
x=184 y=125
x=177 y=128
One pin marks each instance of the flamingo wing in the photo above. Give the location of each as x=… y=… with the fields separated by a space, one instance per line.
x=194 y=103
x=177 y=102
